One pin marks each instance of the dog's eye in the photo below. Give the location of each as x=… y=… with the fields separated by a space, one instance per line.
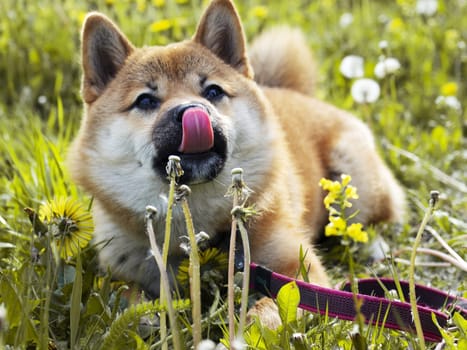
x=146 y=102
x=213 y=93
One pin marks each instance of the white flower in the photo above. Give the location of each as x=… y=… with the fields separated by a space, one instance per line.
x=426 y=7
x=449 y=102
x=387 y=66
x=352 y=67
x=346 y=20
x=365 y=91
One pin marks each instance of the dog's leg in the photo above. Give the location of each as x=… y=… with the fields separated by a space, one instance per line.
x=380 y=196
x=280 y=252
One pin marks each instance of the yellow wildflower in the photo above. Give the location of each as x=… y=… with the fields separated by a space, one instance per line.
x=336 y=226
x=70 y=225
x=330 y=199
x=260 y=12
x=160 y=26
x=329 y=185
x=158 y=3
x=396 y=25
x=449 y=89
x=351 y=192
x=355 y=232
x=345 y=179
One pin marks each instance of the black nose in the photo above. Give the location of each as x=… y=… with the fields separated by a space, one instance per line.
x=177 y=112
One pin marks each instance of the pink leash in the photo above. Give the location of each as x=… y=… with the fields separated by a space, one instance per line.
x=340 y=303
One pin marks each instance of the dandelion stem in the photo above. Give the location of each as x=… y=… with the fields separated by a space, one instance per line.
x=172 y=173
x=246 y=275
x=50 y=275
x=194 y=268
x=230 y=278
x=446 y=246
x=240 y=192
x=150 y=211
x=449 y=259
x=413 y=297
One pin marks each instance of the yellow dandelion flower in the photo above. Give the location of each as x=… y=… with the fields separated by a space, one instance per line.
x=70 y=225
x=449 y=89
x=260 y=12
x=396 y=25
x=160 y=26
x=158 y=3
x=211 y=259
x=356 y=233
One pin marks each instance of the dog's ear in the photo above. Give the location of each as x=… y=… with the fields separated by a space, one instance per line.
x=221 y=31
x=104 y=50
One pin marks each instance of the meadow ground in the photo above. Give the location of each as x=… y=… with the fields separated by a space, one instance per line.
x=414 y=51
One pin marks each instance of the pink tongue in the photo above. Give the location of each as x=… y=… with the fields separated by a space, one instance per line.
x=198 y=135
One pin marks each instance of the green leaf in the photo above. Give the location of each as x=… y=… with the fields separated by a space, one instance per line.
x=288 y=299
x=461 y=323
x=254 y=336
x=359 y=342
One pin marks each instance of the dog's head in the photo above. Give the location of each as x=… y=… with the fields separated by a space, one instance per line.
x=195 y=99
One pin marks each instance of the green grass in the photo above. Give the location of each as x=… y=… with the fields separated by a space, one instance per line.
x=40 y=108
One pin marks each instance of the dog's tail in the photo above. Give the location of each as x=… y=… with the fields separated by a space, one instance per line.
x=281 y=57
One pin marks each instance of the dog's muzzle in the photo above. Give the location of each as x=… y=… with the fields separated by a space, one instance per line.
x=190 y=132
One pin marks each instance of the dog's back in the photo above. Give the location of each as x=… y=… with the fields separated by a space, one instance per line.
x=318 y=134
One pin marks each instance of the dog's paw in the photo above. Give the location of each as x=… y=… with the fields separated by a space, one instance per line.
x=267 y=312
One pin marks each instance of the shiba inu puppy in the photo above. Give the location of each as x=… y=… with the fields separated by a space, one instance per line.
x=217 y=107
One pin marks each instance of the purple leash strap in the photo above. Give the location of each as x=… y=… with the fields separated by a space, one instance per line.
x=340 y=303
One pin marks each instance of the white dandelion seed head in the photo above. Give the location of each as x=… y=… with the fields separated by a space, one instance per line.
x=426 y=7
x=461 y=45
x=206 y=344
x=3 y=318
x=352 y=66
x=389 y=65
x=2 y=311
x=451 y=102
x=42 y=100
x=238 y=344
x=365 y=91
x=439 y=100
x=346 y=20
x=383 y=44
